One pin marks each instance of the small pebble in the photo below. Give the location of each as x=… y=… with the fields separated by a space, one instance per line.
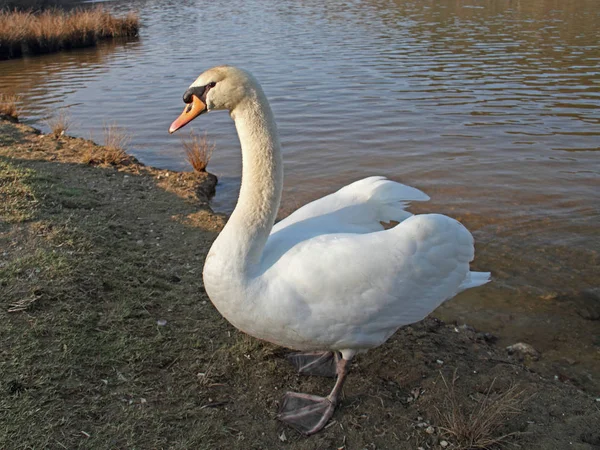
x=429 y=430
x=161 y=322
x=444 y=444
x=522 y=350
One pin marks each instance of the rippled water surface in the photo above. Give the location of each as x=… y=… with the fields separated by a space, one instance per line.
x=492 y=108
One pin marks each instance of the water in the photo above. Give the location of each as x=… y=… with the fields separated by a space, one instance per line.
x=492 y=108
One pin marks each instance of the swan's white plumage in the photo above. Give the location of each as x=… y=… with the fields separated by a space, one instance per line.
x=328 y=276
x=352 y=291
x=358 y=207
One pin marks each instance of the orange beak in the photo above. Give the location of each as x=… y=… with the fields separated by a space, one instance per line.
x=190 y=112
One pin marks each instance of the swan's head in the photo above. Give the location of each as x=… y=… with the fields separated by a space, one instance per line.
x=222 y=87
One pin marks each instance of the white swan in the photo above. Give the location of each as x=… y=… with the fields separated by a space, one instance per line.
x=328 y=279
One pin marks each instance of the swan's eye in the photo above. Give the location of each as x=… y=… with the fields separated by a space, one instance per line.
x=198 y=91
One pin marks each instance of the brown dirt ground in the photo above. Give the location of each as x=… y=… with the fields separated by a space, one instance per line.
x=93 y=259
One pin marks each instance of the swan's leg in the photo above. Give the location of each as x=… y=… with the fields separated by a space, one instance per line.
x=310 y=413
x=321 y=364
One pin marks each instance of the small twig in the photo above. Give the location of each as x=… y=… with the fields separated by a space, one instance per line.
x=213 y=405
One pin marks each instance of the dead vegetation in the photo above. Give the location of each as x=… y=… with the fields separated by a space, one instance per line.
x=28 y=33
x=9 y=105
x=59 y=123
x=481 y=426
x=198 y=151
x=116 y=140
x=113 y=152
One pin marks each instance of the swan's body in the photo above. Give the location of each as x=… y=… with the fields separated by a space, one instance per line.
x=326 y=282
x=329 y=276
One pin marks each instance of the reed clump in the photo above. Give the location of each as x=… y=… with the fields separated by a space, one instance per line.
x=198 y=151
x=113 y=151
x=59 y=123
x=28 y=33
x=9 y=106
x=116 y=139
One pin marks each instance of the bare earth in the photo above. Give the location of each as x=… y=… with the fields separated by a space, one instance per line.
x=108 y=339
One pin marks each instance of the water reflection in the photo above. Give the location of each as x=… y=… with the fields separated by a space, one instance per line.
x=44 y=82
x=490 y=107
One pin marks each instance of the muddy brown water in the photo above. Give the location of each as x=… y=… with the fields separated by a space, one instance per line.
x=492 y=108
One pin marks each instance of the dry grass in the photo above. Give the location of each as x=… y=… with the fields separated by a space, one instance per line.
x=24 y=33
x=59 y=123
x=479 y=427
x=116 y=140
x=9 y=105
x=198 y=151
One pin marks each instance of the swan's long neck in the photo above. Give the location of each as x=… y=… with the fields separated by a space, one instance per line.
x=245 y=235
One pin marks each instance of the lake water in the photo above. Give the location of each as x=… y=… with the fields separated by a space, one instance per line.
x=491 y=107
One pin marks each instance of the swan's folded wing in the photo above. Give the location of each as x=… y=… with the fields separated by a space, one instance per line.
x=356 y=290
x=359 y=207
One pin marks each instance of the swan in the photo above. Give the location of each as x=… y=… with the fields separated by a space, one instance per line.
x=328 y=280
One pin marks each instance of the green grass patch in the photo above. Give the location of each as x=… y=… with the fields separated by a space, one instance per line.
x=17 y=197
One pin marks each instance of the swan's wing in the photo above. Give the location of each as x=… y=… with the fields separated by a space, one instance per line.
x=353 y=291
x=359 y=207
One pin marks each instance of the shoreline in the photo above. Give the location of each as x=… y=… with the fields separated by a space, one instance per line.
x=110 y=337
x=193 y=186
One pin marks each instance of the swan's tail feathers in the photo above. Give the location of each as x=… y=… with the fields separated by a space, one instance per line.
x=475 y=279
x=390 y=197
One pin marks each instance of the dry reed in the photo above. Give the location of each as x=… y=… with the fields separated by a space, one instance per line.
x=59 y=123
x=115 y=140
x=23 y=33
x=113 y=151
x=480 y=426
x=9 y=105
x=198 y=151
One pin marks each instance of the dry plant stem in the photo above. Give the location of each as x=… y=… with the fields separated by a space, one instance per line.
x=479 y=428
x=198 y=151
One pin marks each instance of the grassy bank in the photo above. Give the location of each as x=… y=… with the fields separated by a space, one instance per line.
x=27 y=33
x=108 y=339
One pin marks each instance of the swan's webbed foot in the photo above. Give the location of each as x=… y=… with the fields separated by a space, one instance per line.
x=306 y=413
x=309 y=413
x=321 y=364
